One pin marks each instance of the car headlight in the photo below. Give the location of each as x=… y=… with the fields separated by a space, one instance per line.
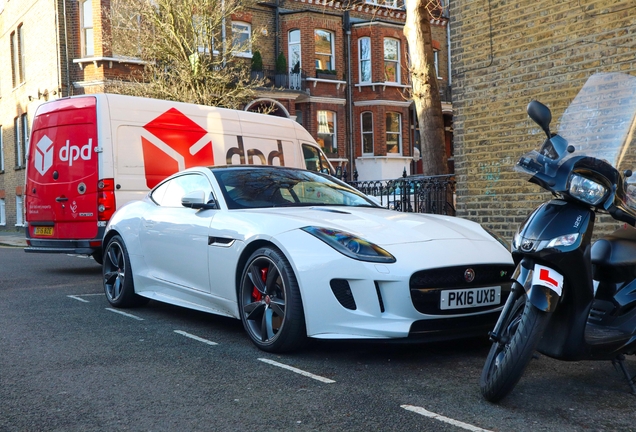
x=586 y=190
x=351 y=245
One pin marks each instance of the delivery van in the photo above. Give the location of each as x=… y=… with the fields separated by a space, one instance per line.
x=90 y=154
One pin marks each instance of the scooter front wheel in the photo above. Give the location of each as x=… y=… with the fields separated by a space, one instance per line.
x=509 y=357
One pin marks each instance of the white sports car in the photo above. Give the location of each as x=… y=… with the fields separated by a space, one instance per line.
x=297 y=254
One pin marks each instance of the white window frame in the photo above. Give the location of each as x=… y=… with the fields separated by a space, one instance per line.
x=87 y=31
x=201 y=37
x=363 y=133
x=436 y=59
x=1 y=151
x=398 y=133
x=19 y=218
x=292 y=46
x=362 y=60
x=126 y=26
x=24 y=132
x=19 y=156
x=396 y=62
x=17 y=55
x=3 y=213
x=331 y=55
x=241 y=27
x=325 y=123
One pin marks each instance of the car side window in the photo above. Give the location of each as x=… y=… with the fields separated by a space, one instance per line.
x=169 y=194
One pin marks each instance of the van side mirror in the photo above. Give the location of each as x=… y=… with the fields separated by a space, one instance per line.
x=541 y=115
x=197 y=200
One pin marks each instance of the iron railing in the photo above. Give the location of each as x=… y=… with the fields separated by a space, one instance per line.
x=420 y=194
x=292 y=80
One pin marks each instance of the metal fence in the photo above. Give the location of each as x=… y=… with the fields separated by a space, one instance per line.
x=420 y=194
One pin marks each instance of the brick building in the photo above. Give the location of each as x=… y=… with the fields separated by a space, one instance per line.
x=345 y=81
x=505 y=54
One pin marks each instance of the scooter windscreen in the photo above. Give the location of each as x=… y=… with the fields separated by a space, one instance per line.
x=600 y=123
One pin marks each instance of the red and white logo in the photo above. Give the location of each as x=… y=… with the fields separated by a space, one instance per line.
x=176 y=143
x=548 y=278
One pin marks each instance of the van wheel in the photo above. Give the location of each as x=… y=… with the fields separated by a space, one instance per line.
x=118 y=281
x=98 y=256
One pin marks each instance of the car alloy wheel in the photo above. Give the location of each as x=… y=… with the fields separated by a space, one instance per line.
x=270 y=304
x=117 y=276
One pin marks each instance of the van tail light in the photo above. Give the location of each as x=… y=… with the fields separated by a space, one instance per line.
x=105 y=199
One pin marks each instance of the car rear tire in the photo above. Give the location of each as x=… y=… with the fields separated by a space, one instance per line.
x=117 y=276
x=270 y=304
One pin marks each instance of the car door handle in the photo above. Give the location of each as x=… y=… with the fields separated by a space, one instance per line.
x=60 y=199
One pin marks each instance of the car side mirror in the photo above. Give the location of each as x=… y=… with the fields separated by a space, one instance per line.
x=197 y=200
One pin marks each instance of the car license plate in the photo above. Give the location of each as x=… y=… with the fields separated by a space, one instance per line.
x=45 y=231
x=468 y=298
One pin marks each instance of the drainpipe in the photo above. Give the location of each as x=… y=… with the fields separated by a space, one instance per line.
x=347 y=28
x=68 y=62
x=223 y=35
x=277 y=30
x=448 y=46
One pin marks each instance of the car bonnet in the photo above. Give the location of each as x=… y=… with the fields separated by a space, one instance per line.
x=381 y=226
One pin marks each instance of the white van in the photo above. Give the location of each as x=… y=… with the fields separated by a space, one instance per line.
x=90 y=154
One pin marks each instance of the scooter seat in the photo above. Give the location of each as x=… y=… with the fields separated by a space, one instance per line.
x=616 y=250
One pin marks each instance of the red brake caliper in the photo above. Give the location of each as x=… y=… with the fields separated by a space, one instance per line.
x=256 y=294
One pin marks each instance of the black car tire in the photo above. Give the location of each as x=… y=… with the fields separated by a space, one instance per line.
x=117 y=276
x=270 y=305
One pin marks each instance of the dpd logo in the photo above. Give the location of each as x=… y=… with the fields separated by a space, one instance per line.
x=44 y=155
x=72 y=153
x=177 y=143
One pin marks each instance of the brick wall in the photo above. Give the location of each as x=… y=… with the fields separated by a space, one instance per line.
x=505 y=53
x=40 y=83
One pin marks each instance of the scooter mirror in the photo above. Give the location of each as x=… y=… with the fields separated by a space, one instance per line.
x=541 y=115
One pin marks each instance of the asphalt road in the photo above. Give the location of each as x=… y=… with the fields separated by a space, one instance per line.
x=70 y=363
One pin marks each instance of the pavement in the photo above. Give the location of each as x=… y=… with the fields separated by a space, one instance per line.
x=14 y=239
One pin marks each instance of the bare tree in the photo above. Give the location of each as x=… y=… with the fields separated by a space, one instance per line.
x=188 y=49
x=425 y=92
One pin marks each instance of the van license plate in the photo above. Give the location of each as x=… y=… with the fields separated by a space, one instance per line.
x=469 y=298
x=45 y=231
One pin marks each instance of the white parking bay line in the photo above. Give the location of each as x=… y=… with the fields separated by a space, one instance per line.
x=78 y=297
x=298 y=371
x=196 y=338
x=441 y=418
x=125 y=314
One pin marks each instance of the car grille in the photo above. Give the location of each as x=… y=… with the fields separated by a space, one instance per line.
x=427 y=285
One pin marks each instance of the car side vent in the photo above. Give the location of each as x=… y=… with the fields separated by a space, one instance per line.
x=342 y=291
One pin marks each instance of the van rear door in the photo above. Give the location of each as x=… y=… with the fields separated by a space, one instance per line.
x=62 y=171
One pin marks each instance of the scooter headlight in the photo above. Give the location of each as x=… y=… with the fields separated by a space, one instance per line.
x=586 y=190
x=565 y=240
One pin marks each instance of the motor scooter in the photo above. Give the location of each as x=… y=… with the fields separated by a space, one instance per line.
x=574 y=295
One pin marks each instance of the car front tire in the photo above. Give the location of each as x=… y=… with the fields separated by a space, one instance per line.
x=270 y=304
x=117 y=276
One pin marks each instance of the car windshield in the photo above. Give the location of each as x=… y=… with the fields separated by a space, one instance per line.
x=281 y=187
